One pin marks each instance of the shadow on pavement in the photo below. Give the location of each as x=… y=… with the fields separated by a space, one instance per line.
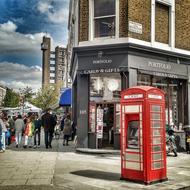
x=98 y=174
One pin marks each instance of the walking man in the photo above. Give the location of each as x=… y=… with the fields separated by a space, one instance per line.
x=1 y=128
x=19 y=128
x=37 y=131
x=48 y=123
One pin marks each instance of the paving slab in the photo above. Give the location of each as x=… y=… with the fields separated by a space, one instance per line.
x=47 y=181
x=14 y=182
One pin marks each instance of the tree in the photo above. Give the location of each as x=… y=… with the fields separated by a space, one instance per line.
x=11 y=99
x=45 y=97
x=26 y=93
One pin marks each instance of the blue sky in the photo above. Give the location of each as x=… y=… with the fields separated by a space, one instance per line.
x=22 y=25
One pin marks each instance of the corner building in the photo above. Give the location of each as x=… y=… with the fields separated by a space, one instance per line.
x=117 y=44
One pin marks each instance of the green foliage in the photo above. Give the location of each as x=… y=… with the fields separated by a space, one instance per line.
x=45 y=97
x=27 y=93
x=11 y=99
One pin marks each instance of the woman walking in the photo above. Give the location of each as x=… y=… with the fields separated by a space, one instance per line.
x=28 y=133
x=67 y=130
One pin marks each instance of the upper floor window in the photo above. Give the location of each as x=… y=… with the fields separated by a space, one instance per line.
x=104 y=18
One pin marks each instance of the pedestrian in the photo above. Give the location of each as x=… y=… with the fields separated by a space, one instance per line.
x=37 y=131
x=67 y=130
x=73 y=130
x=48 y=123
x=1 y=150
x=7 y=132
x=19 y=128
x=4 y=130
x=10 y=128
x=62 y=121
x=29 y=130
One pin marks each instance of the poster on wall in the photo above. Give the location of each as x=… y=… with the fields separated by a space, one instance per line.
x=92 y=118
x=99 y=126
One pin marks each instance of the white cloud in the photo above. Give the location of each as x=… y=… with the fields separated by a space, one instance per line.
x=14 y=42
x=55 y=15
x=44 y=7
x=8 y=27
x=14 y=75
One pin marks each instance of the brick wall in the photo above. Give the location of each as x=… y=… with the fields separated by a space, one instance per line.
x=83 y=20
x=140 y=11
x=182 y=24
x=123 y=18
x=162 y=23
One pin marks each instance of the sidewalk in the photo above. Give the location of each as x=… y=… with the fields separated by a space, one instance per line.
x=62 y=168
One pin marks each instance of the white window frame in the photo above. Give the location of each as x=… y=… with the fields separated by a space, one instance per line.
x=91 y=22
x=171 y=5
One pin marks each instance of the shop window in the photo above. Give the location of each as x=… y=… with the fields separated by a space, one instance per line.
x=104 y=18
x=105 y=87
x=144 y=80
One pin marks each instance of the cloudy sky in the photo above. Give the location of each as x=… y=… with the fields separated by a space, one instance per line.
x=22 y=25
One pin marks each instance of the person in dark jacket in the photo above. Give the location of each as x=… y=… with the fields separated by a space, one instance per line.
x=48 y=122
x=1 y=150
x=37 y=130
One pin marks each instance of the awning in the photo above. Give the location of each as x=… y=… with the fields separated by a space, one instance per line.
x=65 y=99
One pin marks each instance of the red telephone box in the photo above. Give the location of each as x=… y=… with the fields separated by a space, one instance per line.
x=143 y=149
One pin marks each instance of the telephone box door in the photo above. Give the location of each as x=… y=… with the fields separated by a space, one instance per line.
x=132 y=160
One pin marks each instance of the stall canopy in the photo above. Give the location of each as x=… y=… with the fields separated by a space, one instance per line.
x=65 y=99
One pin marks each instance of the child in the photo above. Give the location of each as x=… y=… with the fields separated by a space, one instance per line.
x=29 y=130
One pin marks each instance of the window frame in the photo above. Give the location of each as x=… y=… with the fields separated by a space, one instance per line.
x=171 y=5
x=92 y=19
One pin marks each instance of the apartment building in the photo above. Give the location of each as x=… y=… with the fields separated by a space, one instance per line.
x=2 y=94
x=117 y=44
x=54 y=65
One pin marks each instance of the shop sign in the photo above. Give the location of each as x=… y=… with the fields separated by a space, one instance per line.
x=169 y=75
x=135 y=27
x=95 y=71
x=133 y=96
x=101 y=60
x=99 y=126
x=159 y=65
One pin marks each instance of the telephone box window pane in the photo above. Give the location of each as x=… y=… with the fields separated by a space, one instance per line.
x=132 y=109
x=133 y=165
x=157 y=165
x=157 y=156
x=156 y=140
x=156 y=148
x=104 y=7
x=156 y=124
x=155 y=116
x=132 y=157
x=156 y=108
x=156 y=132
x=133 y=135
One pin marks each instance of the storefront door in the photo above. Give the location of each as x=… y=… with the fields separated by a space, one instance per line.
x=107 y=139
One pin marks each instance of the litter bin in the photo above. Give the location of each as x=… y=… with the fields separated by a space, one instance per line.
x=186 y=128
